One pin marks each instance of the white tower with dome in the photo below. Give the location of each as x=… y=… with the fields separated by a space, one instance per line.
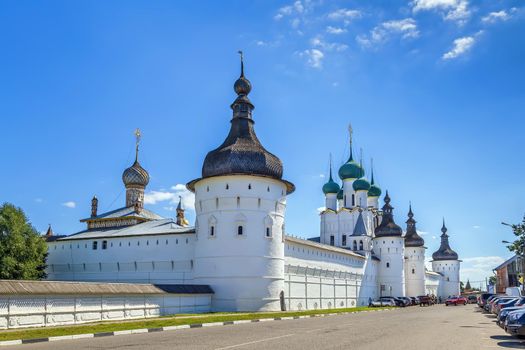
x=446 y=262
x=240 y=203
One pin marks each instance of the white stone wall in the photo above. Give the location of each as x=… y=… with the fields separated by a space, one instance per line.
x=245 y=271
x=432 y=282
x=391 y=251
x=317 y=278
x=136 y=259
x=449 y=285
x=415 y=271
x=54 y=310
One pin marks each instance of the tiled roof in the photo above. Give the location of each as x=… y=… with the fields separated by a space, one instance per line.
x=10 y=287
x=125 y=212
x=154 y=227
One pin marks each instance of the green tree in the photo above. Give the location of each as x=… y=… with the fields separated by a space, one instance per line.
x=467 y=286
x=461 y=286
x=492 y=280
x=23 y=251
x=518 y=246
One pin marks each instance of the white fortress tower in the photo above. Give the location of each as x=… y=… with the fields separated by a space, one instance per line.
x=240 y=202
x=414 y=259
x=446 y=262
x=389 y=245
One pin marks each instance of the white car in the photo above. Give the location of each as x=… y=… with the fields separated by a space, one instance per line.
x=384 y=302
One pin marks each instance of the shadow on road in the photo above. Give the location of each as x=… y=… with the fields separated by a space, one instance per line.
x=512 y=345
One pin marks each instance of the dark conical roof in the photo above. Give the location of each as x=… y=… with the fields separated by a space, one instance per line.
x=412 y=239
x=388 y=227
x=444 y=252
x=360 y=227
x=242 y=152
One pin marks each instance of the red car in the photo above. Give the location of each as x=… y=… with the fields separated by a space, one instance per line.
x=457 y=300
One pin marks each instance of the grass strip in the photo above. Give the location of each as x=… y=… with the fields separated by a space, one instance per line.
x=112 y=326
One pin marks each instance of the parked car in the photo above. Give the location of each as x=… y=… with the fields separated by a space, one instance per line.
x=406 y=300
x=415 y=300
x=515 y=323
x=503 y=303
x=502 y=316
x=494 y=305
x=482 y=299
x=385 y=301
x=425 y=300
x=472 y=299
x=456 y=300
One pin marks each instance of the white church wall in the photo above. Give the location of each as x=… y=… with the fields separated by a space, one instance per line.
x=319 y=277
x=53 y=310
x=432 y=283
x=139 y=259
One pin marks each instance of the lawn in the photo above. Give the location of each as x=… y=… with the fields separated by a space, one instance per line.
x=112 y=326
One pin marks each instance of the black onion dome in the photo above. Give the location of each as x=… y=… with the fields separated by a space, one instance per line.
x=412 y=239
x=388 y=228
x=242 y=152
x=444 y=252
x=135 y=175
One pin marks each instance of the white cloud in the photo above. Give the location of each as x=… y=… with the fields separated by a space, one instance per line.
x=172 y=197
x=319 y=42
x=39 y=200
x=422 y=233
x=406 y=28
x=321 y=209
x=296 y=8
x=452 y=10
x=70 y=204
x=314 y=58
x=478 y=268
x=335 y=30
x=498 y=16
x=344 y=14
x=461 y=46
x=321 y=176
x=476 y=227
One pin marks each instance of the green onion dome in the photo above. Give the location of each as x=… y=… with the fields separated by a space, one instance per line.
x=351 y=169
x=340 y=194
x=361 y=184
x=331 y=187
x=374 y=191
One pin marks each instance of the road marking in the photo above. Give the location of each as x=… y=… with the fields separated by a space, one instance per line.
x=255 y=342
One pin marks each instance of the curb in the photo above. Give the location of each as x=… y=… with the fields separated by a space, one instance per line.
x=171 y=328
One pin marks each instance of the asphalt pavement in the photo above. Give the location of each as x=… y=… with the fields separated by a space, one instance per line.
x=436 y=327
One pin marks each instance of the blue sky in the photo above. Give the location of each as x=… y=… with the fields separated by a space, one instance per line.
x=433 y=89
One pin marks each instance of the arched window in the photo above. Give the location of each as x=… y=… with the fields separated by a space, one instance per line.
x=95 y=245
x=344 y=240
x=360 y=245
x=227 y=186
x=344 y=200
x=388 y=265
x=355 y=245
x=240 y=222
x=238 y=202
x=212 y=223
x=353 y=200
x=268 y=225
x=249 y=186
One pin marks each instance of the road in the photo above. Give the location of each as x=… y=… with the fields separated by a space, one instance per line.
x=437 y=327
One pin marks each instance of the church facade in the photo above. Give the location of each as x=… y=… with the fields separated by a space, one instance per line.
x=238 y=245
